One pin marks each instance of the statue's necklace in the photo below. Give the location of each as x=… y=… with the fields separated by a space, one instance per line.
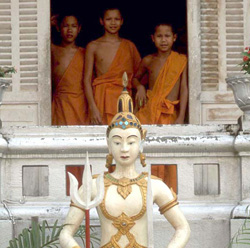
x=124 y=185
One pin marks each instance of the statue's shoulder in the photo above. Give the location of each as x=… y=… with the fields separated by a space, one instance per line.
x=95 y=176
x=152 y=176
x=155 y=177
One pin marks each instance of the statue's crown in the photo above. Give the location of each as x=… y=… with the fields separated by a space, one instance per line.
x=125 y=118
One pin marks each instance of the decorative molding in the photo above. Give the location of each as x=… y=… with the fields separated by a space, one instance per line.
x=160 y=139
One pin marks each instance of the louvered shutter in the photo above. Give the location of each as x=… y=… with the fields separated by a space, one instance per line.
x=25 y=44
x=222 y=41
x=234 y=36
x=5 y=33
x=209 y=45
x=213 y=20
x=28 y=45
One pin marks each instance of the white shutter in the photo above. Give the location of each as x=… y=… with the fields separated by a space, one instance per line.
x=209 y=45
x=28 y=45
x=25 y=44
x=234 y=36
x=5 y=33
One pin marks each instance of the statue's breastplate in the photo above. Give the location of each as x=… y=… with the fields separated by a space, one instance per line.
x=128 y=211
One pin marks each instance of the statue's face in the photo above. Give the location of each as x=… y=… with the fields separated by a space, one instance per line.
x=124 y=145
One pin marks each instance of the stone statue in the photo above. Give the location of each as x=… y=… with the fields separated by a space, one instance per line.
x=123 y=210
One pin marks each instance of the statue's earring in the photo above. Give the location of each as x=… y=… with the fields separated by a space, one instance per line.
x=142 y=155
x=143 y=159
x=109 y=160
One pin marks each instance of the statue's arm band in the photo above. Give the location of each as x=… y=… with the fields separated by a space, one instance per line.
x=164 y=208
x=76 y=247
x=72 y=204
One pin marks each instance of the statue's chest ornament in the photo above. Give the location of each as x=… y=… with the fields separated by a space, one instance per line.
x=124 y=223
x=124 y=185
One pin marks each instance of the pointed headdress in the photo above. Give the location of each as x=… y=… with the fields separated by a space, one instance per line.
x=125 y=118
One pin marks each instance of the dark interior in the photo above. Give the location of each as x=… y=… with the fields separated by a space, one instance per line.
x=139 y=20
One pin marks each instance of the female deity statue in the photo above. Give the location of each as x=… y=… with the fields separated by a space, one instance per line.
x=123 y=210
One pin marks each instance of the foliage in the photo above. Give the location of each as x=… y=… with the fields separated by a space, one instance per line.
x=6 y=70
x=93 y=237
x=245 y=65
x=242 y=237
x=43 y=235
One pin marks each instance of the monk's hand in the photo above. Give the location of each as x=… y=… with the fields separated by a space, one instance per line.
x=141 y=96
x=95 y=117
x=179 y=120
x=53 y=20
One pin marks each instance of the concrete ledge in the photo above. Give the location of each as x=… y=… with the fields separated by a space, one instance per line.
x=161 y=139
x=58 y=210
x=208 y=222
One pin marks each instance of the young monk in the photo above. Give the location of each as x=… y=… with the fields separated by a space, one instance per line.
x=69 y=105
x=166 y=100
x=107 y=58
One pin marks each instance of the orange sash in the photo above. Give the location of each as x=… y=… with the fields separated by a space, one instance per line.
x=158 y=109
x=69 y=105
x=108 y=87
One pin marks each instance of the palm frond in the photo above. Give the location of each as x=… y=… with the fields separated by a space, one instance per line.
x=242 y=236
x=45 y=236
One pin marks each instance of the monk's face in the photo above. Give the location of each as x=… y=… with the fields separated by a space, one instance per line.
x=164 y=38
x=124 y=145
x=69 y=29
x=112 y=21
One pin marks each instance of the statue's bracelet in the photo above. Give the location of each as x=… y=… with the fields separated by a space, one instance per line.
x=76 y=247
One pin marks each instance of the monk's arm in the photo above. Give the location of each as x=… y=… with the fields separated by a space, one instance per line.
x=164 y=198
x=73 y=221
x=141 y=96
x=54 y=26
x=95 y=117
x=183 y=97
x=136 y=58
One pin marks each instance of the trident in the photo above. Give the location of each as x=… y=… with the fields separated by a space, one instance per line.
x=84 y=200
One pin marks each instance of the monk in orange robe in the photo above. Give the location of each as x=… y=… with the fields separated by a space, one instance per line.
x=108 y=87
x=166 y=100
x=107 y=58
x=69 y=104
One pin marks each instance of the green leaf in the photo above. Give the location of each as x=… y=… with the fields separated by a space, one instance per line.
x=26 y=238
x=54 y=230
x=36 y=236
x=20 y=241
x=43 y=230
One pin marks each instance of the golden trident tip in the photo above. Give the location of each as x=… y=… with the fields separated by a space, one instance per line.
x=125 y=79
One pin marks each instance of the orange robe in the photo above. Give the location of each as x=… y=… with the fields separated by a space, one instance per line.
x=108 y=87
x=69 y=105
x=158 y=109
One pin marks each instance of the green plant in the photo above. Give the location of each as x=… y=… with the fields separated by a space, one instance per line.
x=245 y=65
x=242 y=237
x=6 y=70
x=43 y=235
x=93 y=236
